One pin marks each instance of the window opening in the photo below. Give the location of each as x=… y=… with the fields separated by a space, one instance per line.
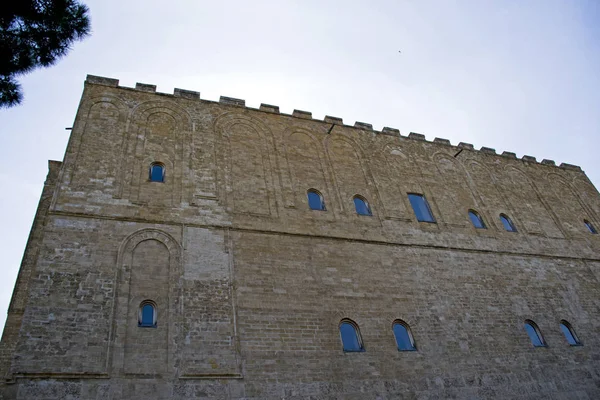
x=507 y=223
x=476 y=220
x=534 y=334
x=315 y=200
x=361 y=206
x=590 y=227
x=569 y=333
x=420 y=207
x=350 y=336
x=157 y=172
x=404 y=339
x=147 y=315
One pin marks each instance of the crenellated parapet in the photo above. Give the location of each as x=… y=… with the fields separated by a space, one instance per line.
x=307 y=115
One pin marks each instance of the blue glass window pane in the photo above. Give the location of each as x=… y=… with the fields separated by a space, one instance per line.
x=421 y=208
x=533 y=335
x=315 y=201
x=349 y=337
x=402 y=338
x=156 y=173
x=362 y=208
x=590 y=227
x=568 y=335
x=147 y=315
x=507 y=224
x=476 y=220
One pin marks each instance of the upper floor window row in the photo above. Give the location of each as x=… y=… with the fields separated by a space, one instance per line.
x=421 y=209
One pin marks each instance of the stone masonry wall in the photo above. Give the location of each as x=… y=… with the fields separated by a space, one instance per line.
x=250 y=285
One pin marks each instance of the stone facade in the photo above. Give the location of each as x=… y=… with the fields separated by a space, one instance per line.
x=250 y=285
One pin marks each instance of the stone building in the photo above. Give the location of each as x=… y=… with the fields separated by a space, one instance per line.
x=190 y=249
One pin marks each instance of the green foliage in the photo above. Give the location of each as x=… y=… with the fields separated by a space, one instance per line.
x=35 y=33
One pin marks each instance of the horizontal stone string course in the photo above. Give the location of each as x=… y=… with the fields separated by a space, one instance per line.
x=193 y=95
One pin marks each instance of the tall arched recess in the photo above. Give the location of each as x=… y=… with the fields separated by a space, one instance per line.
x=530 y=208
x=349 y=171
x=244 y=154
x=158 y=131
x=456 y=196
x=94 y=158
x=148 y=268
x=568 y=205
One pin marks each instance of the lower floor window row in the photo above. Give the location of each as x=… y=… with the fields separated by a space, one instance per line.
x=352 y=340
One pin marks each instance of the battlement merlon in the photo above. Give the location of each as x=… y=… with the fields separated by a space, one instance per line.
x=307 y=115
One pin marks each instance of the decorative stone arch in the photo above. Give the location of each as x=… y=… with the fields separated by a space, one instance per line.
x=123 y=305
x=134 y=172
x=139 y=114
x=339 y=315
x=224 y=159
x=130 y=243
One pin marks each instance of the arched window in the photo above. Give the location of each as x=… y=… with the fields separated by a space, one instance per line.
x=569 y=333
x=157 y=172
x=350 y=335
x=507 y=223
x=476 y=220
x=404 y=339
x=361 y=206
x=315 y=200
x=420 y=207
x=534 y=334
x=590 y=227
x=147 y=314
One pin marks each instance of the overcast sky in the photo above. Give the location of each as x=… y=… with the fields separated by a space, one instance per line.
x=520 y=76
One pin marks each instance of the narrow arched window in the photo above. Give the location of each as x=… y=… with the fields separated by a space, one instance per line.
x=507 y=223
x=420 y=207
x=157 y=172
x=476 y=220
x=534 y=334
x=404 y=338
x=315 y=200
x=147 y=314
x=350 y=336
x=569 y=333
x=361 y=206
x=590 y=227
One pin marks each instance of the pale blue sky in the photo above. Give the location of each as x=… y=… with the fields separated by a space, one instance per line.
x=521 y=76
